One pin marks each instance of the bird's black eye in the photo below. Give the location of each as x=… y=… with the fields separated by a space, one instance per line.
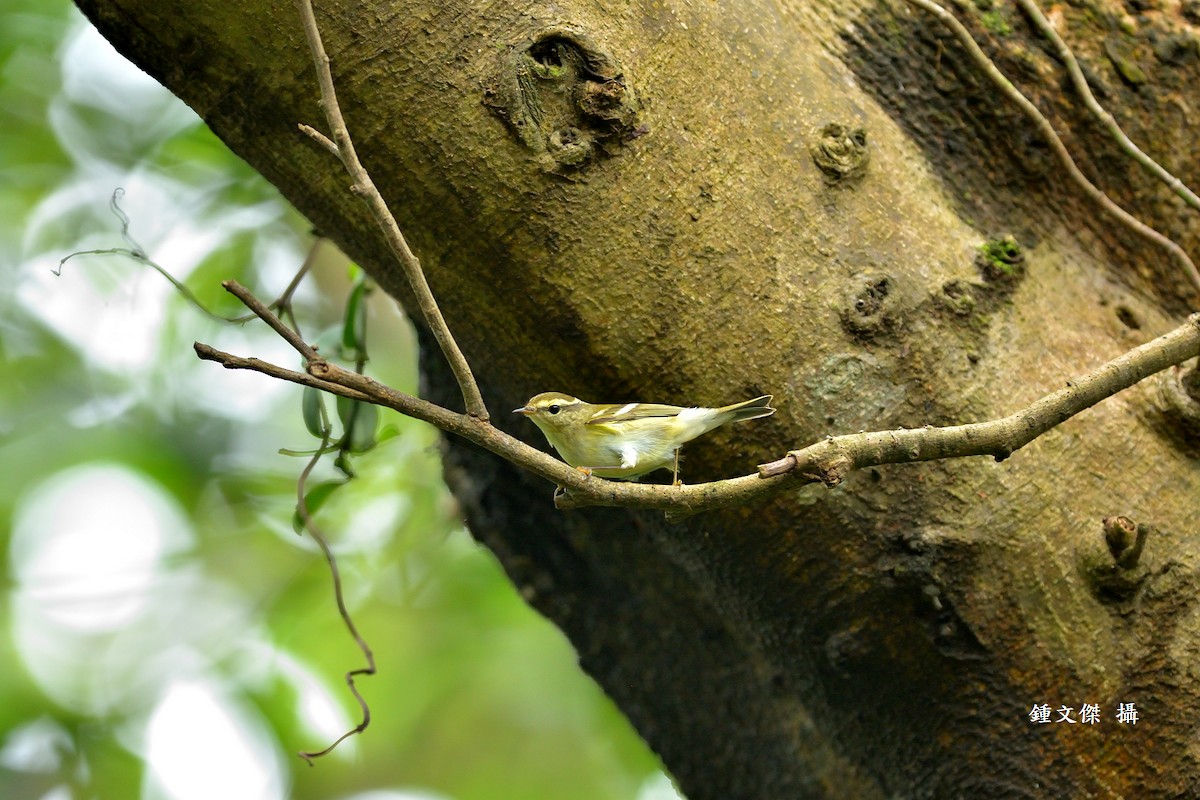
x=554 y=409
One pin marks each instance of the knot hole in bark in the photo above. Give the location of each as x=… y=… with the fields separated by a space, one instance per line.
x=567 y=99
x=871 y=307
x=1178 y=406
x=841 y=153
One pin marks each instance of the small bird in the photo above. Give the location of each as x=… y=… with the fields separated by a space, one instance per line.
x=628 y=441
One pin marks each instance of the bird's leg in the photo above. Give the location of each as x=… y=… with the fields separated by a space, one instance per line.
x=675 y=476
x=587 y=471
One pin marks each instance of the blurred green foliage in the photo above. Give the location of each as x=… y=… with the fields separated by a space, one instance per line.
x=166 y=632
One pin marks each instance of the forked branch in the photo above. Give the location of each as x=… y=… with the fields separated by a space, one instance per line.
x=827 y=461
x=343 y=146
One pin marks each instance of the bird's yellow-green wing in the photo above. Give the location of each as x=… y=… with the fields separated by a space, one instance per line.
x=632 y=411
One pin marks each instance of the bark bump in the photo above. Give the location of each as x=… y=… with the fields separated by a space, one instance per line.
x=567 y=99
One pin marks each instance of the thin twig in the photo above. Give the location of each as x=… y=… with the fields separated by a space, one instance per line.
x=320 y=139
x=826 y=461
x=262 y=312
x=1030 y=7
x=310 y=258
x=284 y=302
x=365 y=187
x=1056 y=144
x=134 y=250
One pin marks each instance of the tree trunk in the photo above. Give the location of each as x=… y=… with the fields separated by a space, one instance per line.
x=698 y=203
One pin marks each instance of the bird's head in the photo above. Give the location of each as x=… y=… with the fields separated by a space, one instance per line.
x=555 y=411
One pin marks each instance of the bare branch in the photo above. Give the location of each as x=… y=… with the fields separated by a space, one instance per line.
x=337 y=380
x=1030 y=7
x=365 y=187
x=827 y=461
x=830 y=460
x=229 y=361
x=1056 y=144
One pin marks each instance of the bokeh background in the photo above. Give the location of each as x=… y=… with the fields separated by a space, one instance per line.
x=166 y=633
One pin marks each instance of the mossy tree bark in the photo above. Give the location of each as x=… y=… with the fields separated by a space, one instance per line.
x=698 y=203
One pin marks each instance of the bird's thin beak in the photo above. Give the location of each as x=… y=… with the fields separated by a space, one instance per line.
x=526 y=410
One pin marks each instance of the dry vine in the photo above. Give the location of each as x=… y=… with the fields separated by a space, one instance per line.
x=135 y=251
x=988 y=68
x=323 y=542
x=1106 y=119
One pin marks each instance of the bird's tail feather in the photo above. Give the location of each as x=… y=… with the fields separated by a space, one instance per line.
x=751 y=409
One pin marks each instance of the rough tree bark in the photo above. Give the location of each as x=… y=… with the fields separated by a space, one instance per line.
x=698 y=203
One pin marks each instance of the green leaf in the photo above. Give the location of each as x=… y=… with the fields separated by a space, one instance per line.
x=359 y=421
x=312 y=405
x=354 y=323
x=361 y=437
x=313 y=500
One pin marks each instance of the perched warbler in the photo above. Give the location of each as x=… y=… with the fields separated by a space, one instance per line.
x=627 y=441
